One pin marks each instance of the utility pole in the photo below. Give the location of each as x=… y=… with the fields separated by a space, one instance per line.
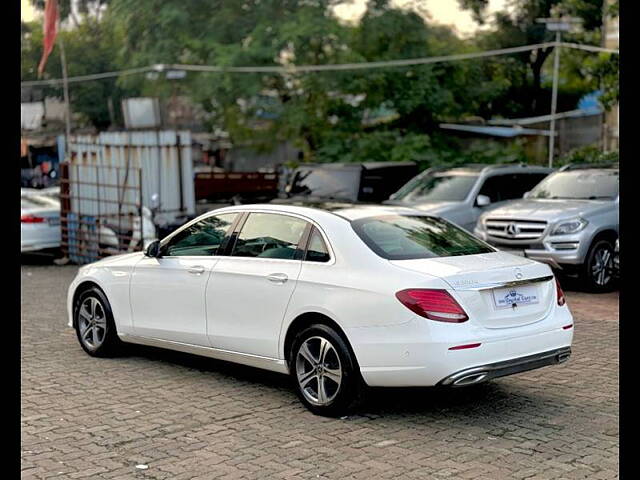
x=554 y=97
x=67 y=107
x=557 y=25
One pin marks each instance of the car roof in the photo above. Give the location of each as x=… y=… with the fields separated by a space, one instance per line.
x=347 y=213
x=501 y=168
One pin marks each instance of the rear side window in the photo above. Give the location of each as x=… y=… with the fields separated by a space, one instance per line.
x=317 y=250
x=404 y=237
x=268 y=235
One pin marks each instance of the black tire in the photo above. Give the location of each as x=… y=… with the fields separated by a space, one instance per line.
x=107 y=343
x=348 y=394
x=595 y=279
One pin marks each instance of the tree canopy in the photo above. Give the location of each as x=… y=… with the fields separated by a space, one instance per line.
x=374 y=114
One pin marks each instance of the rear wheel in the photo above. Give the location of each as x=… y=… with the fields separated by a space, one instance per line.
x=598 y=268
x=94 y=323
x=325 y=373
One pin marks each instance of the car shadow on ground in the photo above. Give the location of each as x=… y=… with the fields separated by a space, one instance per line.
x=39 y=258
x=485 y=403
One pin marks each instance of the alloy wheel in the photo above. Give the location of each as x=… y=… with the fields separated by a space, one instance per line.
x=318 y=370
x=92 y=323
x=602 y=266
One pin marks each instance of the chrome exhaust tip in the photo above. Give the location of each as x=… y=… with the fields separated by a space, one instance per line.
x=470 y=379
x=563 y=357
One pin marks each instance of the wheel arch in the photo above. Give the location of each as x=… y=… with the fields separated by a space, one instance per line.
x=306 y=319
x=82 y=287
x=606 y=234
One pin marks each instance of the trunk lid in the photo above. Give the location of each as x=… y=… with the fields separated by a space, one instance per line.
x=488 y=285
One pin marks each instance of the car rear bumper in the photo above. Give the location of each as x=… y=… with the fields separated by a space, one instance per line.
x=423 y=353
x=482 y=373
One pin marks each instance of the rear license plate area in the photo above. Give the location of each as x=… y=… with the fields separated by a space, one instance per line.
x=515 y=296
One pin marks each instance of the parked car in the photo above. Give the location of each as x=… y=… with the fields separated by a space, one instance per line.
x=616 y=260
x=461 y=194
x=569 y=220
x=378 y=296
x=345 y=183
x=39 y=221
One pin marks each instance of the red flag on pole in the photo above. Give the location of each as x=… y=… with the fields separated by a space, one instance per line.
x=50 y=31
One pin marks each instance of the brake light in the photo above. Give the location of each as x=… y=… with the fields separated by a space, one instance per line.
x=560 y=294
x=436 y=305
x=31 y=219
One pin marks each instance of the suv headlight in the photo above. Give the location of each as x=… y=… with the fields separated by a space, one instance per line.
x=573 y=225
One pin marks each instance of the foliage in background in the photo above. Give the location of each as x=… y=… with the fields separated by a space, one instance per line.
x=363 y=115
x=589 y=154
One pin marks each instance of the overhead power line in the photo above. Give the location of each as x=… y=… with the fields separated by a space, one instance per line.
x=314 y=68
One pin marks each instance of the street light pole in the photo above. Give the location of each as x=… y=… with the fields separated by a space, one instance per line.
x=554 y=97
x=557 y=25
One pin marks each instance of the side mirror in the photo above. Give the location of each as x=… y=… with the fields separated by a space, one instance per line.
x=526 y=195
x=153 y=249
x=482 y=201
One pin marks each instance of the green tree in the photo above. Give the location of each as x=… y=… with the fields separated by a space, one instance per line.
x=519 y=26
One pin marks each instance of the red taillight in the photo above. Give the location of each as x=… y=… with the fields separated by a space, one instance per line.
x=560 y=294
x=31 y=219
x=436 y=305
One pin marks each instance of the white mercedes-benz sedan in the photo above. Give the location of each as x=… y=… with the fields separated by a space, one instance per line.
x=342 y=299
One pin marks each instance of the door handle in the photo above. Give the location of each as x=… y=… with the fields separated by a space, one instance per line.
x=196 y=269
x=277 y=277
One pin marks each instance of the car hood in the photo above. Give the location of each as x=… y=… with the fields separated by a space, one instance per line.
x=550 y=210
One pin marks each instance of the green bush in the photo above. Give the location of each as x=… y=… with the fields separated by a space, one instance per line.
x=589 y=154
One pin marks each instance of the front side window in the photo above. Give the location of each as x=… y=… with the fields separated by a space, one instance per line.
x=438 y=187
x=317 y=250
x=203 y=238
x=510 y=186
x=404 y=237
x=268 y=235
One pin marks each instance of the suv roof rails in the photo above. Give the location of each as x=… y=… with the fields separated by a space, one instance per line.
x=584 y=166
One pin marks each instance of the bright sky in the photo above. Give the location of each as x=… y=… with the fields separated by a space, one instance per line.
x=446 y=12
x=26 y=11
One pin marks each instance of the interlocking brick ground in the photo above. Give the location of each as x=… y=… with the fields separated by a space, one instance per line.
x=192 y=418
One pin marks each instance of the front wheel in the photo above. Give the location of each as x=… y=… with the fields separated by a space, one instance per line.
x=599 y=274
x=95 y=328
x=325 y=373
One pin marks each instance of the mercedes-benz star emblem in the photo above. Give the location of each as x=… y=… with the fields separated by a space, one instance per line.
x=512 y=229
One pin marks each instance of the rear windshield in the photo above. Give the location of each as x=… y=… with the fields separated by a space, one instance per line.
x=404 y=237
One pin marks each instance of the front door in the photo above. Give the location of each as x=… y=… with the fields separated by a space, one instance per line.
x=249 y=290
x=168 y=293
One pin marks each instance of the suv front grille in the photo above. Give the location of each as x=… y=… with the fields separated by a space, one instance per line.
x=509 y=229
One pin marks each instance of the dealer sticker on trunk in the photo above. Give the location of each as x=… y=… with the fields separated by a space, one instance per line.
x=515 y=296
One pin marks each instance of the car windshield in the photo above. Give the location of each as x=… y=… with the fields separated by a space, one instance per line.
x=438 y=187
x=404 y=237
x=327 y=183
x=578 y=184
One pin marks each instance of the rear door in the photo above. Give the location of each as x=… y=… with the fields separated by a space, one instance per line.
x=249 y=290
